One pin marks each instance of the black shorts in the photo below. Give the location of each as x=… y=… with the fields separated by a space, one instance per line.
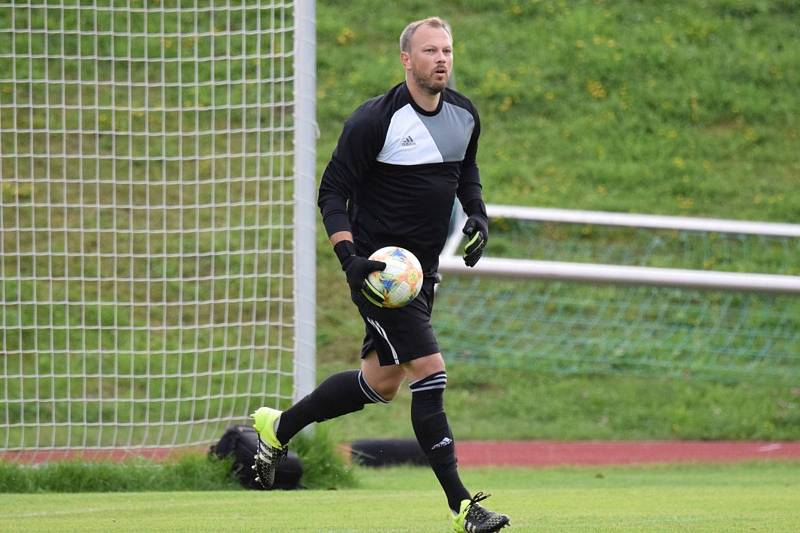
x=399 y=335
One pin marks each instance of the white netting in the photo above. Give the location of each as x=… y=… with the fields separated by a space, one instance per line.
x=595 y=328
x=146 y=294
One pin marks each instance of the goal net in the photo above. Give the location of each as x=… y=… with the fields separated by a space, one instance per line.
x=146 y=271
x=666 y=298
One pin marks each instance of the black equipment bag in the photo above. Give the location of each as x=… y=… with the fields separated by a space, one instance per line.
x=387 y=452
x=241 y=441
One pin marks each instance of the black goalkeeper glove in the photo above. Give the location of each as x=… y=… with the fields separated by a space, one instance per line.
x=357 y=268
x=477 y=231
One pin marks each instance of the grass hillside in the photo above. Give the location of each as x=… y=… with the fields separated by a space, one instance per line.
x=673 y=107
x=676 y=108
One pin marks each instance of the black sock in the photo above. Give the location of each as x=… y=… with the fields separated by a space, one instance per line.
x=342 y=393
x=434 y=435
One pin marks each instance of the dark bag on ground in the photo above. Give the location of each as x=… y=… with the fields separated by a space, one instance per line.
x=241 y=442
x=387 y=452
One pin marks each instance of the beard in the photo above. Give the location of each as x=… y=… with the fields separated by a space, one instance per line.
x=428 y=82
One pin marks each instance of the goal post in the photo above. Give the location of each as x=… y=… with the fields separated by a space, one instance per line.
x=305 y=251
x=157 y=271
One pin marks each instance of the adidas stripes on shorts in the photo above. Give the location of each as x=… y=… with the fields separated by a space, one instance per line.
x=399 y=335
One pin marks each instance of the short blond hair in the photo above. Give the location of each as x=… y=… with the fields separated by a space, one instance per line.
x=410 y=30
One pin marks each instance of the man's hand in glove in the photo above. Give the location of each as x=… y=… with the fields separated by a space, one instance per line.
x=356 y=268
x=477 y=231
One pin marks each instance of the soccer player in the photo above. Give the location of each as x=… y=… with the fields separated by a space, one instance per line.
x=400 y=161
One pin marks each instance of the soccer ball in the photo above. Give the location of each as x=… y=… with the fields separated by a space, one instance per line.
x=401 y=281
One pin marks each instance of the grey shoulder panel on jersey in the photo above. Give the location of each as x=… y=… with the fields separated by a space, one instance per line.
x=451 y=129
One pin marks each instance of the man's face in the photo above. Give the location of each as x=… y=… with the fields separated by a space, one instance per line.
x=430 y=59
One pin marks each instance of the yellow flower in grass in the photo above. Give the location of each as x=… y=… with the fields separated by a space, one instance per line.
x=346 y=36
x=596 y=89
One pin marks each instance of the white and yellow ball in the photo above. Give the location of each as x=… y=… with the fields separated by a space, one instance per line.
x=401 y=281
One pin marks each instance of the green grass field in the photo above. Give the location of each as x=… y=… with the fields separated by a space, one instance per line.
x=746 y=497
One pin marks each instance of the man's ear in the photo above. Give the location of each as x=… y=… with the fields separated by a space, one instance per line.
x=405 y=59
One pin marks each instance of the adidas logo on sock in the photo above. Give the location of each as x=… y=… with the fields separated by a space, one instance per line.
x=444 y=442
x=408 y=141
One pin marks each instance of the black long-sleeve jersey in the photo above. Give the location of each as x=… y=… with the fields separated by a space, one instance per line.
x=396 y=169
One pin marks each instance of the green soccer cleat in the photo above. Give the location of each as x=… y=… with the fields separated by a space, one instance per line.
x=473 y=518
x=270 y=451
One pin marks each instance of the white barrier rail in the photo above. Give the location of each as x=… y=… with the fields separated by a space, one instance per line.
x=626 y=275
x=635 y=220
x=451 y=262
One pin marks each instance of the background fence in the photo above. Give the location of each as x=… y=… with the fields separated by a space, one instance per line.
x=660 y=296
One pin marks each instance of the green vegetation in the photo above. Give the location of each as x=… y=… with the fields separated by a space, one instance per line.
x=135 y=222
x=190 y=472
x=571 y=328
x=757 y=496
x=676 y=107
x=485 y=403
x=668 y=108
x=323 y=468
x=645 y=247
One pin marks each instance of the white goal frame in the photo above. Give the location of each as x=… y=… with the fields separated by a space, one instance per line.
x=305 y=161
x=82 y=91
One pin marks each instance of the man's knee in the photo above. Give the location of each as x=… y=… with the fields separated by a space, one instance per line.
x=387 y=390
x=386 y=386
x=383 y=380
x=423 y=367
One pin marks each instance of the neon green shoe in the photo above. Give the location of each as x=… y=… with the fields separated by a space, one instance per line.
x=270 y=451
x=472 y=518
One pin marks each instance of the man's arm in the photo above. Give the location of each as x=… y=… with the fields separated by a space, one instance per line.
x=469 y=183
x=350 y=164
x=348 y=168
x=470 y=194
x=340 y=236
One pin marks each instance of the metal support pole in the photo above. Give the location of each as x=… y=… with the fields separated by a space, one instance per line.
x=305 y=211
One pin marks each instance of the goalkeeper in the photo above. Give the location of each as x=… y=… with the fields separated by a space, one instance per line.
x=401 y=160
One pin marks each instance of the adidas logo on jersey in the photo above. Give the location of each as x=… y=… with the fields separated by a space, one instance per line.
x=408 y=141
